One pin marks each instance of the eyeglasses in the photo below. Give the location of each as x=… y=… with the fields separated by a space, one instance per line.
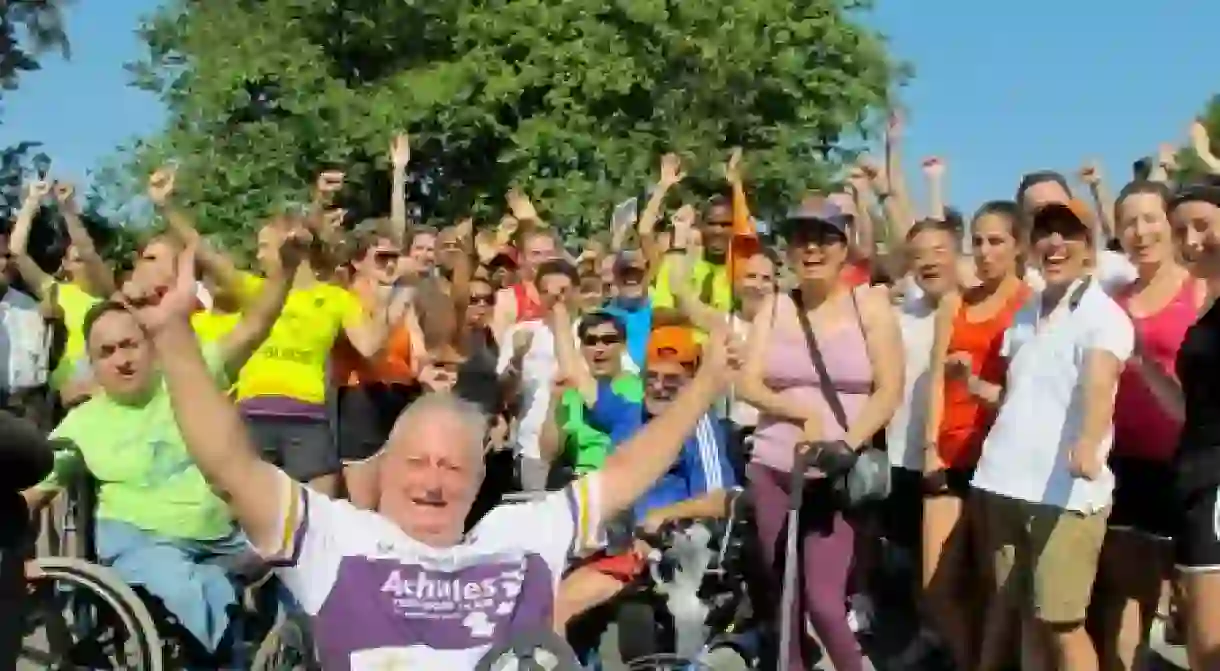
x=665 y=380
x=385 y=258
x=593 y=340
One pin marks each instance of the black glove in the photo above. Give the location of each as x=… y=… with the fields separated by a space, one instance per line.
x=832 y=457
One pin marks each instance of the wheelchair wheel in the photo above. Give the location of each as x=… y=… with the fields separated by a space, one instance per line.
x=83 y=616
x=637 y=632
x=287 y=647
x=724 y=658
x=541 y=650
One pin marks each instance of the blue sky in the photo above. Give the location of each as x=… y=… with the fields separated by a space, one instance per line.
x=1000 y=88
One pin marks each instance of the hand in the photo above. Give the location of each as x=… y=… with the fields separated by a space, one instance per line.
x=732 y=169
x=858 y=181
x=521 y=207
x=874 y=172
x=464 y=230
x=400 y=151
x=723 y=354
x=49 y=306
x=37 y=190
x=157 y=307
x=332 y=220
x=161 y=186
x=1166 y=156
x=328 y=184
x=1084 y=463
x=1090 y=173
x=65 y=193
x=434 y=378
x=959 y=365
x=933 y=167
x=671 y=170
x=522 y=341
x=292 y=246
x=507 y=228
x=560 y=385
x=684 y=219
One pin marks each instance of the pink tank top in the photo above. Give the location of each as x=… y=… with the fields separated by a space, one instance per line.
x=790 y=373
x=1142 y=428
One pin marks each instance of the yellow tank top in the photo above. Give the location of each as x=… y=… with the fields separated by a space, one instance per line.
x=75 y=303
x=291 y=363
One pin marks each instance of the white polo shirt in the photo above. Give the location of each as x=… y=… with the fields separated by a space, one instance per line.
x=905 y=434
x=1026 y=454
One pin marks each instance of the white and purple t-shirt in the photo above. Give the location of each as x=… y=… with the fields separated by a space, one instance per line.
x=379 y=599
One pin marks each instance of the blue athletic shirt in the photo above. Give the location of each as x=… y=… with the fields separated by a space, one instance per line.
x=702 y=466
x=636 y=317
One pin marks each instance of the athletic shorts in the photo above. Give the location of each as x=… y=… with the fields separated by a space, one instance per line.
x=1045 y=558
x=1143 y=497
x=367 y=414
x=1197 y=537
x=949 y=482
x=303 y=447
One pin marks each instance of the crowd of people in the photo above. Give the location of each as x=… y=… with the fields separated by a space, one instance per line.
x=1041 y=381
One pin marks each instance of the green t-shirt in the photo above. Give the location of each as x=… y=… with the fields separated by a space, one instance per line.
x=584 y=446
x=137 y=455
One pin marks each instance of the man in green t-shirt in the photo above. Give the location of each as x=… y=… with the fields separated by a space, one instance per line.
x=583 y=447
x=158 y=522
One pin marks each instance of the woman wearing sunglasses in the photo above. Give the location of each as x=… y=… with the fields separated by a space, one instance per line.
x=857 y=336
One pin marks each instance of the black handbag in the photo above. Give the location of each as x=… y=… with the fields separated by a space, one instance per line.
x=868 y=480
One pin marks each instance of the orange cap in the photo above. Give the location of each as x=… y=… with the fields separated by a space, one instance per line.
x=673 y=343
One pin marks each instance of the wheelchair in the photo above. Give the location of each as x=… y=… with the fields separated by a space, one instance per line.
x=690 y=610
x=81 y=614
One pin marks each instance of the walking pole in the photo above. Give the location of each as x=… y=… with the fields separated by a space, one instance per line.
x=796 y=488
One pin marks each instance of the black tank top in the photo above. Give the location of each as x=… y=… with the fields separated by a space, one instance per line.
x=1198 y=368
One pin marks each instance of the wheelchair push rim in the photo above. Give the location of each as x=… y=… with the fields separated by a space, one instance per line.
x=82 y=615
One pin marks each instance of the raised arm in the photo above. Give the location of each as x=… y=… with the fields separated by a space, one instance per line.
x=1201 y=143
x=211 y=427
x=671 y=174
x=19 y=241
x=571 y=365
x=400 y=156
x=1103 y=203
x=637 y=463
x=97 y=274
x=891 y=188
x=161 y=192
x=259 y=317
x=934 y=175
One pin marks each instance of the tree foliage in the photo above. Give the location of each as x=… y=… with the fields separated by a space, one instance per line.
x=572 y=100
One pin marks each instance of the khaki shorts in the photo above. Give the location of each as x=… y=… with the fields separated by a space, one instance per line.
x=1044 y=557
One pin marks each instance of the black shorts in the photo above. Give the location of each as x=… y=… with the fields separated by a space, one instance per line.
x=949 y=482
x=366 y=414
x=1197 y=539
x=1143 y=497
x=902 y=510
x=303 y=447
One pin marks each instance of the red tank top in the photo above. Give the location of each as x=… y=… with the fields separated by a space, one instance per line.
x=966 y=420
x=528 y=307
x=1142 y=428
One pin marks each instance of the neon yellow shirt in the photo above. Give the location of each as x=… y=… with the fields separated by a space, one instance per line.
x=722 y=288
x=137 y=454
x=75 y=303
x=212 y=326
x=292 y=361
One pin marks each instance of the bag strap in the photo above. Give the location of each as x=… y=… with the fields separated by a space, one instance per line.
x=819 y=364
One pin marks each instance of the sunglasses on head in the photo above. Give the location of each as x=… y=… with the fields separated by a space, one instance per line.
x=595 y=339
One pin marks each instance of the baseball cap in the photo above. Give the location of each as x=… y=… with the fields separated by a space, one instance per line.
x=1072 y=211
x=817 y=209
x=673 y=343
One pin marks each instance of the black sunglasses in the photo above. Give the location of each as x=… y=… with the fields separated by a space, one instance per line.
x=593 y=340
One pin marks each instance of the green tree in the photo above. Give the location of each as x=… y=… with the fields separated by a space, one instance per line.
x=572 y=100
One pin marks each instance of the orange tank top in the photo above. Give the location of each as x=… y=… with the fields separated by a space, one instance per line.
x=393 y=366
x=966 y=420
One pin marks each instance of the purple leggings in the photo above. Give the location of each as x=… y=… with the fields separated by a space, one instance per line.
x=825 y=546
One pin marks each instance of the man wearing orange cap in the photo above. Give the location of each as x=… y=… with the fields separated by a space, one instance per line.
x=697 y=486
